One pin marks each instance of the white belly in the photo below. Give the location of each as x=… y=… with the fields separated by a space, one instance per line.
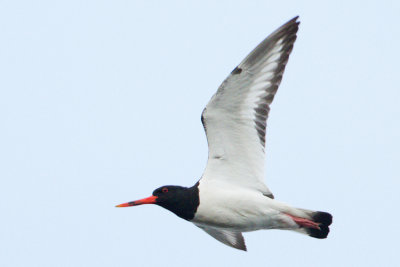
x=240 y=209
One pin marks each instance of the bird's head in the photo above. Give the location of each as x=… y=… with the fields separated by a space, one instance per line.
x=163 y=196
x=180 y=200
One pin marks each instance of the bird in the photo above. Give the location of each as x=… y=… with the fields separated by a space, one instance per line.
x=231 y=197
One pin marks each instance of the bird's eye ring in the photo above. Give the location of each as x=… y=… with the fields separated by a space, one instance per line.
x=164 y=190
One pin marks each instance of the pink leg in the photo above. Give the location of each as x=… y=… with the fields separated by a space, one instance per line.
x=304 y=222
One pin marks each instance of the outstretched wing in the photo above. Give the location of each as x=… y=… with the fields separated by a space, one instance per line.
x=235 y=118
x=230 y=238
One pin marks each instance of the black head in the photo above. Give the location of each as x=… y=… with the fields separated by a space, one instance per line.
x=169 y=194
x=182 y=201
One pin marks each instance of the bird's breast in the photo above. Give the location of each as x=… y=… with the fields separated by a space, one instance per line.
x=234 y=208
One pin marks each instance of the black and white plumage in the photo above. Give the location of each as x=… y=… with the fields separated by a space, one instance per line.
x=231 y=197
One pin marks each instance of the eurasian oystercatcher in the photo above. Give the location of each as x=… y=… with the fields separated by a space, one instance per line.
x=231 y=197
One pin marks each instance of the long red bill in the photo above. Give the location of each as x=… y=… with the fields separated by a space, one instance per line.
x=148 y=200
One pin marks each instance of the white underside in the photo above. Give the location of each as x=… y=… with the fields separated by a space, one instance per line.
x=234 y=208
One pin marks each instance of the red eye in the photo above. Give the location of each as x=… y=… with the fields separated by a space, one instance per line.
x=164 y=190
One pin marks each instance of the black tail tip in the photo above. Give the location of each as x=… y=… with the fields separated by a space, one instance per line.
x=319 y=233
x=324 y=219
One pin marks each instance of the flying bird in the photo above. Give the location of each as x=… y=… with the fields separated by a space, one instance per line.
x=231 y=197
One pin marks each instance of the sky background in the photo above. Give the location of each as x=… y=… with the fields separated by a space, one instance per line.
x=100 y=103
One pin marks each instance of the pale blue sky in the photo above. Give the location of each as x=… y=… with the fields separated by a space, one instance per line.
x=100 y=103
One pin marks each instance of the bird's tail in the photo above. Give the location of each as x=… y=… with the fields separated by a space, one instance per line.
x=324 y=219
x=317 y=227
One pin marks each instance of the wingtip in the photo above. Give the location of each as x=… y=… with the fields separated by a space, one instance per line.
x=297 y=21
x=242 y=248
x=294 y=20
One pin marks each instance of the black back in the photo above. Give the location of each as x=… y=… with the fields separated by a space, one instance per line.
x=183 y=201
